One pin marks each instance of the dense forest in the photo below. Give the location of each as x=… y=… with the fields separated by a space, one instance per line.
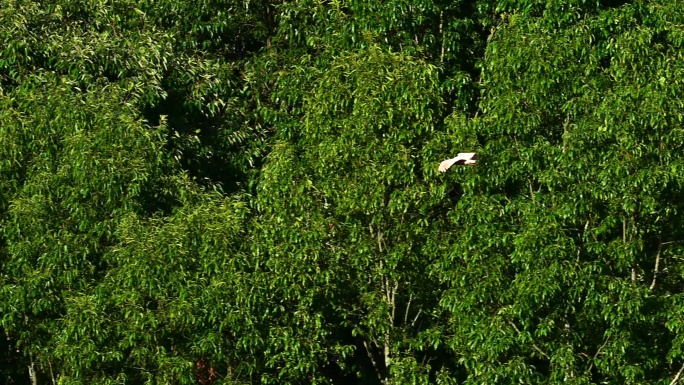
x=246 y=192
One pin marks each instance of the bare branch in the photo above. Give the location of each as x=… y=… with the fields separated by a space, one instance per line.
x=380 y=240
x=675 y=380
x=32 y=371
x=408 y=306
x=624 y=241
x=392 y=296
x=657 y=264
x=529 y=180
x=441 y=32
x=565 y=130
x=416 y=318
x=387 y=352
x=591 y=366
x=52 y=373
x=579 y=248
x=375 y=365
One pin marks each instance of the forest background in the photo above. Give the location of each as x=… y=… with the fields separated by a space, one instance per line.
x=246 y=192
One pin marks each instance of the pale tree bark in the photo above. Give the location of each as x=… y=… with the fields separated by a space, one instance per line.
x=52 y=373
x=384 y=343
x=657 y=264
x=441 y=32
x=677 y=376
x=33 y=374
x=624 y=241
x=390 y=296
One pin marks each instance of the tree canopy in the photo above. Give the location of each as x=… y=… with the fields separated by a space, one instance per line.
x=247 y=192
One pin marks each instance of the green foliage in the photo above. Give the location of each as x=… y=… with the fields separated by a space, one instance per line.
x=582 y=145
x=237 y=192
x=165 y=299
x=76 y=163
x=342 y=206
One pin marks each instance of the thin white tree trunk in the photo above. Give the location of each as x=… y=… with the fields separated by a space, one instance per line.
x=33 y=375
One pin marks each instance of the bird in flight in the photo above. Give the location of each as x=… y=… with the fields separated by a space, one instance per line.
x=467 y=158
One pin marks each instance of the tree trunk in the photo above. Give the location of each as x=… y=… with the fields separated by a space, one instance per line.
x=33 y=375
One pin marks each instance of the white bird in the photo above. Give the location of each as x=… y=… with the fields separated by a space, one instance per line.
x=468 y=158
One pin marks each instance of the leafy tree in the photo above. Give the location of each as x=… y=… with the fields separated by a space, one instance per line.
x=343 y=207
x=564 y=268
x=171 y=308
x=73 y=174
x=246 y=192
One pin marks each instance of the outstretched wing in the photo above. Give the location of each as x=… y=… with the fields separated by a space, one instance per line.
x=469 y=158
x=447 y=163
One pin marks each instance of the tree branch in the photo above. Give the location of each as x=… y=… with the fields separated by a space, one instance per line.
x=416 y=318
x=441 y=31
x=584 y=233
x=675 y=380
x=375 y=364
x=657 y=264
x=533 y=344
x=32 y=372
x=565 y=130
x=624 y=241
x=529 y=180
x=52 y=373
x=408 y=306
x=591 y=366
